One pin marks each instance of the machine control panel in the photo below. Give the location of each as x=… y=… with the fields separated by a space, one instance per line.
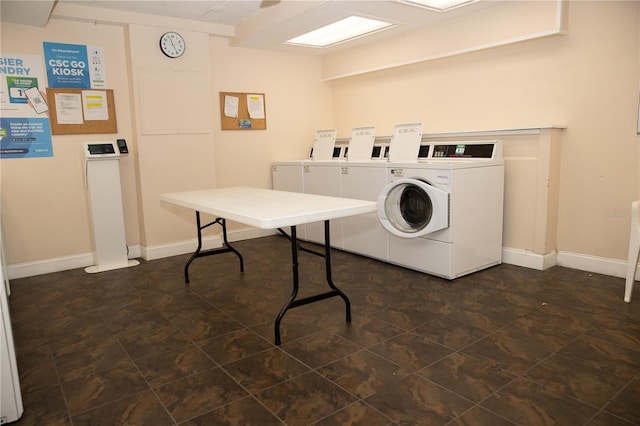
x=484 y=150
x=100 y=150
x=423 y=152
x=380 y=151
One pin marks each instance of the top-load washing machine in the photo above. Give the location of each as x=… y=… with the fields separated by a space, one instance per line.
x=363 y=175
x=287 y=176
x=321 y=176
x=444 y=214
x=290 y=175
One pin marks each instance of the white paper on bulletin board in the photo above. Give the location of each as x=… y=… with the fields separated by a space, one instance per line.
x=174 y=102
x=255 y=105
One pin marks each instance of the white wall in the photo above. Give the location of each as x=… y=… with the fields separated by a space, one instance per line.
x=586 y=80
x=44 y=203
x=45 y=212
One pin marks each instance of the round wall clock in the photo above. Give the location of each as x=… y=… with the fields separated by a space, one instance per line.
x=172 y=44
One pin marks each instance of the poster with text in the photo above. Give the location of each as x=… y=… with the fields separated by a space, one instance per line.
x=74 y=66
x=25 y=130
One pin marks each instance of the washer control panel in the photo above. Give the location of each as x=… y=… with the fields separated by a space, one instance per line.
x=483 y=150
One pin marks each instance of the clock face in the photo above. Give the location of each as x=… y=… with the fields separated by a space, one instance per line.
x=172 y=44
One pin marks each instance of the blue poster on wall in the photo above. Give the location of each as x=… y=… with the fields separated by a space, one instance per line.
x=25 y=130
x=67 y=65
x=25 y=138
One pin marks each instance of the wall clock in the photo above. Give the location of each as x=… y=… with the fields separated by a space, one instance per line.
x=172 y=44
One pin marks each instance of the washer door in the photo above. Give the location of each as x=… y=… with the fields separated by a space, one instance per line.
x=411 y=208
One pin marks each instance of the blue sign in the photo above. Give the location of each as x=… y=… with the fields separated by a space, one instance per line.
x=25 y=137
x=67 y=65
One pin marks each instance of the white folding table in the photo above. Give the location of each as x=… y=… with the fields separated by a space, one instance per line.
x=270 y=209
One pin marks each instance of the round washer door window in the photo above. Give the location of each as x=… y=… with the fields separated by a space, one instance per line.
x=408 y=208
x=411 y=208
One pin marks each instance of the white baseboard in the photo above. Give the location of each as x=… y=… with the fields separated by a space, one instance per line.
x=583 y=262
x=57 y=264
x=529 y=259
x=189 y=246
x=600 y=265
x=65 y=263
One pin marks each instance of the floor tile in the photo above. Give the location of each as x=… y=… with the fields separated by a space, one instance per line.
x=620 y=330
x=320 y=348
x=411 y=351
x=365 y=330
x=507 y=353
x=577 y=378
x=355 y=414
x=546 y=336
x=246 y=411
x=469 y=376
x=38 y=375
x=450 y=333
x=45 y=406
x=305 y=399
x=197 y=394
x=204 y=324
x=265 y=369
x=484 y=316
x=418 y=401
x=406 y=318
x=478 y=416
x=156 y=339
x=363 y=373
x=166 y=367
x=606 y=419
x=527 y=403
x=625 y=404
x=104 y=355
x=91 y=391
x=234 y=346
x=603 y=354
x=139 y=409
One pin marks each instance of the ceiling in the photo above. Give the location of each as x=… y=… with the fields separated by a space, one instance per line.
x=261 y=24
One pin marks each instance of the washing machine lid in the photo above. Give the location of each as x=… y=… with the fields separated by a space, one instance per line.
x=411 y=208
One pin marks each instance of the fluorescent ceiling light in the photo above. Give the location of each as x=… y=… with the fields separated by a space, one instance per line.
x=340 y=31
x=440 y=5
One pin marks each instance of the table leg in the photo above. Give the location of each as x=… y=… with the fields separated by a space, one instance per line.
x=226 y=247
x=327 y=262
x=335 y=291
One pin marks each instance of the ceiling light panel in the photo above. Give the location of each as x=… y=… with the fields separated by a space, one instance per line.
x=340 y=31
x=439 y=5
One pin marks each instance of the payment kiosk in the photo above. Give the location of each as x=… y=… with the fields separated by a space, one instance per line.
x=103 y=184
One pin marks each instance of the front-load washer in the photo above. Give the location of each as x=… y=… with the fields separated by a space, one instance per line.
x=444 y=215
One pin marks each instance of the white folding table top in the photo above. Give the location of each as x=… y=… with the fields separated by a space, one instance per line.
x=268 y=208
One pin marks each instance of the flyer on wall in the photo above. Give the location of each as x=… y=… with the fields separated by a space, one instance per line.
x=74 y=66
x=25 y=130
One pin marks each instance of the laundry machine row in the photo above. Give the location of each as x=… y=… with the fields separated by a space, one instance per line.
x=440 y=215
x=341 y=178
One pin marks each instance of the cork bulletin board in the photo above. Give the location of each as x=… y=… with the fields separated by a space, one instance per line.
x=238 y=104
x=80 y=115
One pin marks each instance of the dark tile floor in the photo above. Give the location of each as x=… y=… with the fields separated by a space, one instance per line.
x=503 y=346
